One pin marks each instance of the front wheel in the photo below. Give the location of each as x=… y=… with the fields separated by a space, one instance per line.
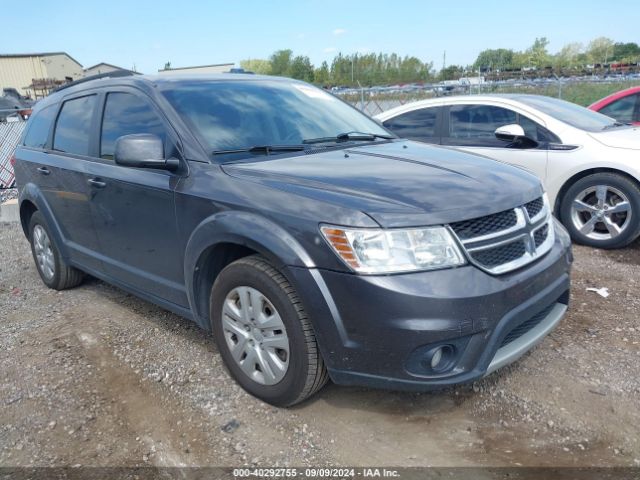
x=263 y=333
x=602 y=210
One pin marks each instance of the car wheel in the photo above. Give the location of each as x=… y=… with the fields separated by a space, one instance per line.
x=263 y=333
x=53 y=270
x=602 y=210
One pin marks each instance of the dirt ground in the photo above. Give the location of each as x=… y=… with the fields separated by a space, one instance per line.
x=94 y=376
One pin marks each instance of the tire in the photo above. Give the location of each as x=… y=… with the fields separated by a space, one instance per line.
x=55 y=273
x=260 y=368
x=603 y=220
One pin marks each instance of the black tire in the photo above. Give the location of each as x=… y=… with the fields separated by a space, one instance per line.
x=622 y=184
x=306 y=372
x=64 y=276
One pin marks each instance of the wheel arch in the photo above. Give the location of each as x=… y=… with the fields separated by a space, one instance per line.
x=585 y=173
x=31 y=200
x=225 y=237
x=27 y=209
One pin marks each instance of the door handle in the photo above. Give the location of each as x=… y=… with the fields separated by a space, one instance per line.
x=94 y=182
x=44 y=170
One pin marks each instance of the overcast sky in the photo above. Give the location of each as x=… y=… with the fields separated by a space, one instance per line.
x=149 y=33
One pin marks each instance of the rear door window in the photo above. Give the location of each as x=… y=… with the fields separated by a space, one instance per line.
x=127 y=114
x=74 y=125
x=39 y=128
x=420 y=125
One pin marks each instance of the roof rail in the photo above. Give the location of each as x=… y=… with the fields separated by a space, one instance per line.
x=114 y=74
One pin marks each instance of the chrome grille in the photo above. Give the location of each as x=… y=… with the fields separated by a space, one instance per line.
x=507 y=240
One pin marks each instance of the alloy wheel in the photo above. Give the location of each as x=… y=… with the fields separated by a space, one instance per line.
x=601 y=212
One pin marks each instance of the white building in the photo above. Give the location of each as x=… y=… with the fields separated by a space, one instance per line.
x=32 y=74
x=105 y=68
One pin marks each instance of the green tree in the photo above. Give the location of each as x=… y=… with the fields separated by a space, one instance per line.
x=626 y=52
x=260 y=66
x=378 y=69
x=301 y=68
x=568 y=56
x=600 y=50
x=494 y=59
x=537 y=53
x=321 y=75
x=452 y=72
x=281 y=62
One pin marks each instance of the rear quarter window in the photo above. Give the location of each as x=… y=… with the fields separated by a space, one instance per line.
x=39 y=127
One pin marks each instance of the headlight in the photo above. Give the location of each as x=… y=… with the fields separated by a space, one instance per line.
x=392 y=251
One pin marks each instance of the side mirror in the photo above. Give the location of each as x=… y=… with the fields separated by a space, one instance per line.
x=142 y=150
x=510 y=133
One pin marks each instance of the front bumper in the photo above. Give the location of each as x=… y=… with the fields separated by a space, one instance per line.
x=379 y=331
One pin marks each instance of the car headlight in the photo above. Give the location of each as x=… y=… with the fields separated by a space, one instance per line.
x=367 y=250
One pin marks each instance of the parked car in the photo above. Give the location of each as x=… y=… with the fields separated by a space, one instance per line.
x=588 y=162
x=312 y=242
x=12 y=109
x=13 y=93
x=624 y=106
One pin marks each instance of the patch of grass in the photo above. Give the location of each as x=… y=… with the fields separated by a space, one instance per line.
x=581 y=93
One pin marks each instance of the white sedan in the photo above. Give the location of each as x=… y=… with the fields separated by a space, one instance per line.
x=589 y=163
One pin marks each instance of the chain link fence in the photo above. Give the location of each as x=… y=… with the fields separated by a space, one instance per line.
x=10 y=133
x=373 y=101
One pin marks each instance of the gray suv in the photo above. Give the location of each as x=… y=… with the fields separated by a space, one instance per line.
x=312 y=242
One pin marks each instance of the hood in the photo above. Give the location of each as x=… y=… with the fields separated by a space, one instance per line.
x=623 y=137
x=401 y=183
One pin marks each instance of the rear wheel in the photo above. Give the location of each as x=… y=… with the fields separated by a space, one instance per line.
x=263 y=333
x=53 y=270
x=602 y=210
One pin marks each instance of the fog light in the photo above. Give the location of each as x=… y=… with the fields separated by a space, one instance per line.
x=439 y=359
x=436 y=358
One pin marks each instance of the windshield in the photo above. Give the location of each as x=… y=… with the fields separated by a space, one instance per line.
x=237 y=115
x=569 y=113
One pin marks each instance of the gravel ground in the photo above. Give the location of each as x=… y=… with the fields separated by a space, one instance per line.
x=8 y=194
x=95 y=376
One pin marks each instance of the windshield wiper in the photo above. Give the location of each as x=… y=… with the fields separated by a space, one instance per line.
x=266 y=149
x=346 y=136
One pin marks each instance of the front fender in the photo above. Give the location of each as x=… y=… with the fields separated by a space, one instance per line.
x=244 y=229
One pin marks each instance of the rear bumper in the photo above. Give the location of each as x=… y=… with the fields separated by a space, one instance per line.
x=379 y=331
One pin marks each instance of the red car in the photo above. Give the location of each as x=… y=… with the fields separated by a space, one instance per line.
x=624 y=106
